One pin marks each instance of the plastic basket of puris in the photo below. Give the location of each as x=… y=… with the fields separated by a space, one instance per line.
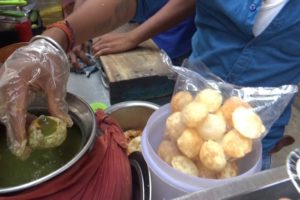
x=209 y=134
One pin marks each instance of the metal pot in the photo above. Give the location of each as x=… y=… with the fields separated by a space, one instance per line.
x=134 y=115
x=84 y=117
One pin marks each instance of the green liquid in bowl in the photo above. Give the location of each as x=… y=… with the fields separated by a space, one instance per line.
x=14 y=172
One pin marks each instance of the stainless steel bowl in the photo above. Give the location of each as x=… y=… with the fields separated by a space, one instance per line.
x=134 y=115
x=84 y=117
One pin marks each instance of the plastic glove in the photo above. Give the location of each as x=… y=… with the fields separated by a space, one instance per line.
x=38 y=67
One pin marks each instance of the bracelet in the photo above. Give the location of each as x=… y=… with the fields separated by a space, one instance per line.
x=67 y=29
x=54 y=43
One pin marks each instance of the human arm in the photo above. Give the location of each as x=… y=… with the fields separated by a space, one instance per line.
x=79 y=51
x=169 y=15
x=42 y=67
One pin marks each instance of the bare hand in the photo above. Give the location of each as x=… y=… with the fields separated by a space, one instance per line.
x=79 y=53
x=113 y=43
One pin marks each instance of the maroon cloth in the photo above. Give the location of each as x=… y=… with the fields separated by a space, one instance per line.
x=103 y=173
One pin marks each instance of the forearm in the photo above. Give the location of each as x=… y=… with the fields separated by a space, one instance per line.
x=168 y=16
x=78 y=3
x=95 y=18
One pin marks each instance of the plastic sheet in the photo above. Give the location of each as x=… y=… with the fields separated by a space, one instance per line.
x=267 y=102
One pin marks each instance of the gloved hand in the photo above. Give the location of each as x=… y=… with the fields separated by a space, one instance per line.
x=38 y=67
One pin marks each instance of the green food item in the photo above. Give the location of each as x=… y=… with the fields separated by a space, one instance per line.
x=47 y=132
x=41 y=162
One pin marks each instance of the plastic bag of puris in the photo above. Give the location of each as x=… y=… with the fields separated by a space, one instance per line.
x=212 y=123
x=267 y=102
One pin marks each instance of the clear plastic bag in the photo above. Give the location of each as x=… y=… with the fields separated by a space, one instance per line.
x=267 y=102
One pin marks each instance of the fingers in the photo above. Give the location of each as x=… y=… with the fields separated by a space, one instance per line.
x=85 y=46
x=57 y=105
x=104 y=48
x=103 y=51
x=82 y=56
x=112 y=43
x=17 y=101
x=78 y=54
x=73 y=60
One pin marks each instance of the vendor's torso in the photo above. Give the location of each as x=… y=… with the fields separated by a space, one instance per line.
x=225 y=42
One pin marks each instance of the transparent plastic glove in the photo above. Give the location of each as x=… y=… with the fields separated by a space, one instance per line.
x=38 y=67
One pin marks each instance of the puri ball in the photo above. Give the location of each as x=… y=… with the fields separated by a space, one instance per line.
x=134 y=145
x=185 y=165
x=229 y=106
x=211 y=98
x=174 y=126
x=213 y=127
x=231 y=170
x=47 y=132
x=167 y=150
x=247 y=123
x=235 y=145
x=212 y=156
x=180 y=99
x=193 y=114
x=189 y=143
x=204 y=172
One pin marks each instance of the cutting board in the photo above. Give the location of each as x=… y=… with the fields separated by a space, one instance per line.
x=143 y=61
x=137 y=74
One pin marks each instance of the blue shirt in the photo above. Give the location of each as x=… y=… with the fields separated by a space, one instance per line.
x=176 y=41
x=224 y=41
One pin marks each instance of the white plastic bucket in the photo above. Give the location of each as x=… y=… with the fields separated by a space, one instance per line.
x=169 y=183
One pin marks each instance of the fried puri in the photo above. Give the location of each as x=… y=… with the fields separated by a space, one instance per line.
x=231 y=170
x=213 y=127
x=235 y=145
x=189 y=143
x=212 y=156
x=134 y=145
x=204 y=172
x=47 y=132
x=229 y=106
x=132 y=133
x=174 y=126
x=180 y=99
x=211 y=98
x=193 y=114
x=247 y=123
x=184 y=165
x=167 y=150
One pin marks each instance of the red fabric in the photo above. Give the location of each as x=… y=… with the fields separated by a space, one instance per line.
x=103 y=173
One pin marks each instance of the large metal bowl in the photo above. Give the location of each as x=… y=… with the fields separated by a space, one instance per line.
x=84 y=117
x=134 y=115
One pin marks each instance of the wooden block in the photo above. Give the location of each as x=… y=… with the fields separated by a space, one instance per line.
x=138 y=74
